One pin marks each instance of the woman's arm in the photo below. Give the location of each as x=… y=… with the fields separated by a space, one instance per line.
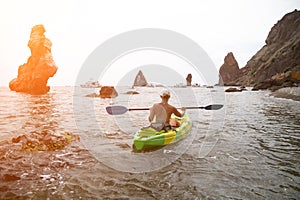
x=177 y=113
x=151 y=115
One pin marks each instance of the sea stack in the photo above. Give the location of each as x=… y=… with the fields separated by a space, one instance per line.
x=33 y=75
x=189 y=80
x=229 y=70
x=140 y=80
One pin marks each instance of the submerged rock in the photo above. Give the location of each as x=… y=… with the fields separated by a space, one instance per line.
x=132 y=92
x=243 y=88
x=232 y=89
x=140 y=80
x=92 y=95
x=33 y=75
x=108 y=92
x=44 y=141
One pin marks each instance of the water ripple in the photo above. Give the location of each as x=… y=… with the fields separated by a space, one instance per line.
x=248 y=150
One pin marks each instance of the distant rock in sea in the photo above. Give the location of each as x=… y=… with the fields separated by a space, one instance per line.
x=140 y=80
x=105 y=92
x=189 y=80
x=132 y=92
x=229 y=70
x=275 y=61
x=33 y=75
x=108 y=92
x=233 y=89
x=92 y=95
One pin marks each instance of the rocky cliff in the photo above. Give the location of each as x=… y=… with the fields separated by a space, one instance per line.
x=277 y=63
x=229 y=70
x=33 y=75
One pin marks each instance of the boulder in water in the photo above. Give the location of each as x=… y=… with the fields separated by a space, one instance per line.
x=132 y=92
x=233 y=89
x=108 y=92
x=92 y=95
x=33 y=75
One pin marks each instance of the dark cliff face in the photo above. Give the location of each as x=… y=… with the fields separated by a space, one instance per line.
x=281 y=53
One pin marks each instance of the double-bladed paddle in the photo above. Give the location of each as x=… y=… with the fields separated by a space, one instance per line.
x=119 y=110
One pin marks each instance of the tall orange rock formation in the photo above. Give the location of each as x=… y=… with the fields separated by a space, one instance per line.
x=33 y=75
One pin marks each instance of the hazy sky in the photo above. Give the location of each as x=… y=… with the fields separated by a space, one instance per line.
x=76 y=28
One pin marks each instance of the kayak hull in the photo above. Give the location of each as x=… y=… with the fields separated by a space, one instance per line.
x=153 y=139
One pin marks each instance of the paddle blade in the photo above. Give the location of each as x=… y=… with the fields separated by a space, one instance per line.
x=116 y=110
x=213 y=107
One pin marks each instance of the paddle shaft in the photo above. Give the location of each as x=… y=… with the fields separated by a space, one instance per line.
x=130 y=109
x=195 y=107
x=118 y=110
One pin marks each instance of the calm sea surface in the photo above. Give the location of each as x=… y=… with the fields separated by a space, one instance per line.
x=250 y=149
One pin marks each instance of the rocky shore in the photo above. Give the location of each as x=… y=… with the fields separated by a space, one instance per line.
x=288 y=93
x=276 y=65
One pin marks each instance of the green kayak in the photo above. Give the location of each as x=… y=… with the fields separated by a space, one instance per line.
x=149 y=138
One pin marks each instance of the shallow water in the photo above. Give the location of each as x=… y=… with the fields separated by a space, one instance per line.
x=250 y=149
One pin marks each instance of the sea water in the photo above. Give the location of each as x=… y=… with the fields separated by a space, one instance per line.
x=249 y=149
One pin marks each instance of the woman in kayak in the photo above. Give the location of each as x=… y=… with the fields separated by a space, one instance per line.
x=162 y=113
